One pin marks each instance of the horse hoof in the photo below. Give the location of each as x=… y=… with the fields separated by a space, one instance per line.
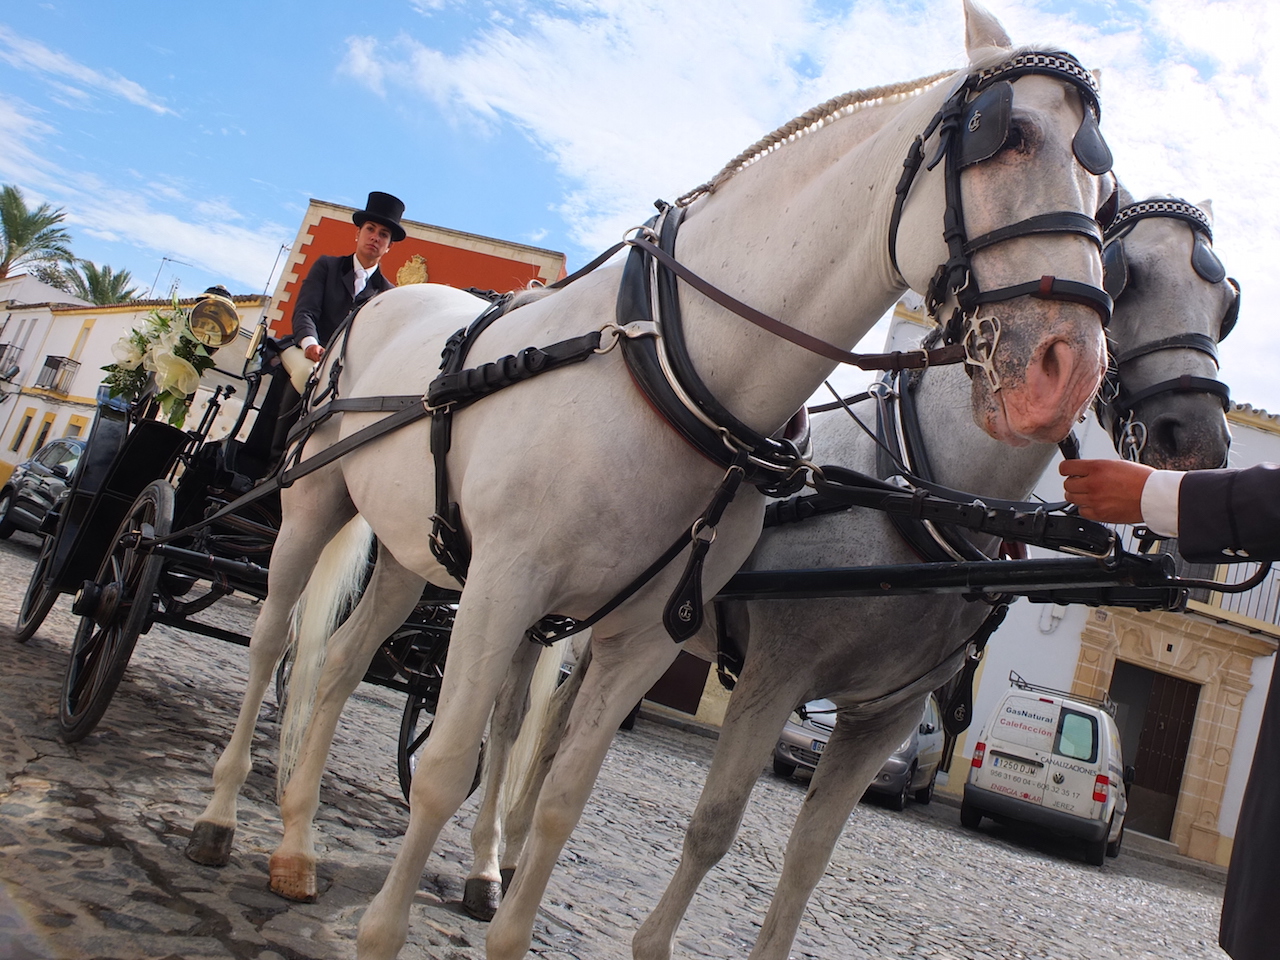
x=480 y=898
x=210 y=844
x=294 y=878
x=507 y=874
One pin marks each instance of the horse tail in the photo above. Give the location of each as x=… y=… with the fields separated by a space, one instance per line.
x=522 y=758
x=335 y=585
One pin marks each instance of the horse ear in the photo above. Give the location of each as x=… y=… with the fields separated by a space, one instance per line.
x=1207 y=207
x=982 y=29
x=1097 y=77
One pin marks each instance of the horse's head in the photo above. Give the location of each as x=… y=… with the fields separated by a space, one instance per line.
x=1161 y=400
x=1023 y=179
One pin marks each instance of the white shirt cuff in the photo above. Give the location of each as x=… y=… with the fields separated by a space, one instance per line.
x=1160 y=502
x=307 y=342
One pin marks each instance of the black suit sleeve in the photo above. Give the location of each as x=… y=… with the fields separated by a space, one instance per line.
x=1230 y=510
x=310 y=305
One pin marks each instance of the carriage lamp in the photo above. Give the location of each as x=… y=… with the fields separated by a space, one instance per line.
x=214 y=320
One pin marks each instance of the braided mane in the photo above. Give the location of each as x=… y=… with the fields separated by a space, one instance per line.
x=812 y=119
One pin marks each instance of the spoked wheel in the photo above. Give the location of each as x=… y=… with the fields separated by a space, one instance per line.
x=40 y=596
x=415 y=727
x=114 y=610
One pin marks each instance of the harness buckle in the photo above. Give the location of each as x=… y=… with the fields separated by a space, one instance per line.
x=981 y=338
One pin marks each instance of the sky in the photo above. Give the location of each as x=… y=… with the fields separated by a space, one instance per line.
x=184 y=141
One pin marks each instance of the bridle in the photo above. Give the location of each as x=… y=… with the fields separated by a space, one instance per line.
x=1129 y=433
x=974 y=125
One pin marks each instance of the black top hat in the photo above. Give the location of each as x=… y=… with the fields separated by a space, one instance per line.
x=385 y=209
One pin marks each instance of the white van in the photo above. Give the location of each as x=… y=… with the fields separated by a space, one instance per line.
x=1052 y=760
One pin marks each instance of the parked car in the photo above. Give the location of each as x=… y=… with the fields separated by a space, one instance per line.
x=1051 y=760
x=912 y=769
x=39 y=485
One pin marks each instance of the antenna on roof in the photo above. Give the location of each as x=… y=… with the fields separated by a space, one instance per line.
x=267 y=285
x=163 y=261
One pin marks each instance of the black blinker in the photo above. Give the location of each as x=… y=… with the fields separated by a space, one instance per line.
x=1115 y=269
x=1232 y=315
x=1206 y=262
x=985 y=126
x=1089 y=147
x=1107 y=212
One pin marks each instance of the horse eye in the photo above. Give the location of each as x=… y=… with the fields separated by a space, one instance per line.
x=1016 y=139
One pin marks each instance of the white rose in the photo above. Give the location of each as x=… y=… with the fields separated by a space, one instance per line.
x=127 y=353
x=175 y=375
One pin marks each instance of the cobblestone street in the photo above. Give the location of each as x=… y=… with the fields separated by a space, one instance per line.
x=92 y=838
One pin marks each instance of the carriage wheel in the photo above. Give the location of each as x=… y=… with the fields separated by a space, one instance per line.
x=40 y=596
x=120 y=602
x=415 y=727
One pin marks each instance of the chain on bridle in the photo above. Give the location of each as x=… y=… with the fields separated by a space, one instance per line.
x=974 y=125
x=1128 y=431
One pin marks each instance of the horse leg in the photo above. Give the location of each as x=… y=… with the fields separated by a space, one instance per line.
x=608 y=692
x=489 y=627
x=483 y=888
x=386 y=603
x=519 y=817
x=851 y=758
x=320 y=513
x=756 y=713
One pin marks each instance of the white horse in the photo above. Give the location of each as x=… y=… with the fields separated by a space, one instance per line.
x=802 y=231
x=878 y=659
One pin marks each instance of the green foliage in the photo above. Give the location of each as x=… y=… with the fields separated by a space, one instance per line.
x=100 y=285
x=159 y=358
x=30 y=238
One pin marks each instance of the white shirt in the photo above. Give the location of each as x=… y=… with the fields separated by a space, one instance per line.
x=1160 y=502
x=360 y=281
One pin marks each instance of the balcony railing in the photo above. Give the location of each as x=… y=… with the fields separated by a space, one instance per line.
x=57 y=374
x=10 y=355
x=1261 y=603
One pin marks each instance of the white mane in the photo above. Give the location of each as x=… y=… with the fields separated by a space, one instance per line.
x=813 y=119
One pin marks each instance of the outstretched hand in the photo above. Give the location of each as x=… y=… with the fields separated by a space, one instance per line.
x=1106 y=490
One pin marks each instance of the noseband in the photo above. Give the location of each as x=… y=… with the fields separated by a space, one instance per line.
x=1128 y=432
x=974 y=125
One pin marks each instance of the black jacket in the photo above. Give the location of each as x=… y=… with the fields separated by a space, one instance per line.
x=325 y=298
x=1221 y=510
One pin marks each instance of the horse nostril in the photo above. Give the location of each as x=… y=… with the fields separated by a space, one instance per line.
x=1168 y=435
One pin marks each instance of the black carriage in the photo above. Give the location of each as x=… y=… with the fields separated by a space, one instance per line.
x=143 y=537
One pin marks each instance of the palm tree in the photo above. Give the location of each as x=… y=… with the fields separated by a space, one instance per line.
x=30 y=238
x=99 y=285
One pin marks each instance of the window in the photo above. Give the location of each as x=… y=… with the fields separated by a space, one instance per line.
x=45 y=426
x=1077 y=736
x=81 y=338
x=22 y=429
x=76 y=425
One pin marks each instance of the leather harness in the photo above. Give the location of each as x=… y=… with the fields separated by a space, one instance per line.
x=1128 y=432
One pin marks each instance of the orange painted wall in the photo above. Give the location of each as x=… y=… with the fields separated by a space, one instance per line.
x=445 y=264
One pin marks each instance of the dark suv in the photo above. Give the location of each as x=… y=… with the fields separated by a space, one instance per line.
x=38 y=485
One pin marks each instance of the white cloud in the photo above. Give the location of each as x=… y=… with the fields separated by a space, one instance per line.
x=638 y=99
x=200 y=231
x=31 y=55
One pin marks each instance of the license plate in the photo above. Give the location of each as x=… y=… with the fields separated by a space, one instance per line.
x=819 y=746
x=1015 y=766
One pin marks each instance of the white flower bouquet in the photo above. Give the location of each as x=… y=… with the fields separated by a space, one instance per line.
x=160 y=357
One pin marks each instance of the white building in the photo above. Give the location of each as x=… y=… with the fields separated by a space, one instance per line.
x=52 y=352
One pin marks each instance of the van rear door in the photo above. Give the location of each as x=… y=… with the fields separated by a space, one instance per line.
x=1074 y=767
x=1020 y=747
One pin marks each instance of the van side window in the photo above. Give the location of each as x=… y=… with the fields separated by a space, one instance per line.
x=1077 y=736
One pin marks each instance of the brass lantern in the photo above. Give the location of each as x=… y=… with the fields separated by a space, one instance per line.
x=214 y=321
